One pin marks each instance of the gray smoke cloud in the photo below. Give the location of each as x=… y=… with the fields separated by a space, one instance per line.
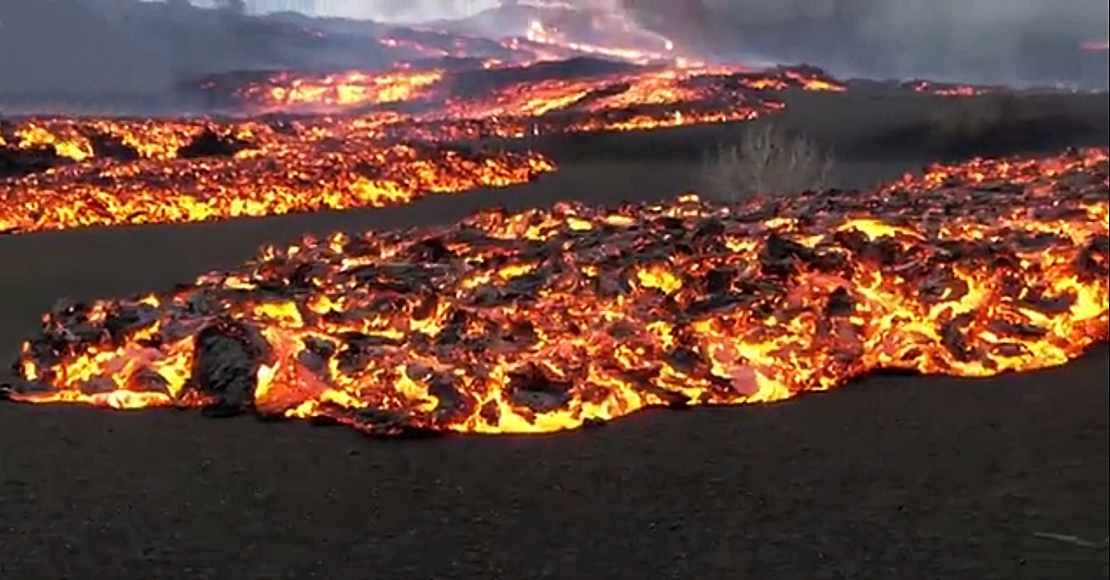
x=1003 y=39
x=1014 y=42
x=413 y=11
x=1011 y=41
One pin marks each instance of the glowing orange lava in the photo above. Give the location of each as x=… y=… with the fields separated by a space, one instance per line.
x=551 y=319
x=162 y=172
x=702 y=94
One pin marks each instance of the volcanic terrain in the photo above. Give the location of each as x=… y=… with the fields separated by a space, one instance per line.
x=507 y=238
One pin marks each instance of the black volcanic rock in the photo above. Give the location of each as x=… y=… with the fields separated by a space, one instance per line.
x=17 y=162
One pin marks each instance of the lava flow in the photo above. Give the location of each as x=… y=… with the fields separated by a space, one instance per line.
x=552 y=319
x=58 y=173
x=66 y=173
x=561 y=96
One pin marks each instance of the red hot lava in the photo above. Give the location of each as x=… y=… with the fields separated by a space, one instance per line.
x=551 y=319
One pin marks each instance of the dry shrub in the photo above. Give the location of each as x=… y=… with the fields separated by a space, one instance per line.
x=767 y=160
x=973 y=118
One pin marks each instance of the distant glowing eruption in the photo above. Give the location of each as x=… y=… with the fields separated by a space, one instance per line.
x=1098 y=45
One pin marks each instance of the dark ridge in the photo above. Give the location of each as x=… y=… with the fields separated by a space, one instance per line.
x=107 y=146
x=19 y=162
x=211 y=144
x=481 y=81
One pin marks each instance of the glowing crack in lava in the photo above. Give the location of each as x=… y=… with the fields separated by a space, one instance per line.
x=66 y=173
x=551 y=319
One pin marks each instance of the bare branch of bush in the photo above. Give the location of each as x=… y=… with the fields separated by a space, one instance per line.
x=767 y=160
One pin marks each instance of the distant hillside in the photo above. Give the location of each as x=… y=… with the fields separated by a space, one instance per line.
x=78 y=49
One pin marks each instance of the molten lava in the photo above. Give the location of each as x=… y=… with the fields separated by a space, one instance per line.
x=342 y=90
x=58 y=173
x=101 y=172
x=701 y=94
x=551 y=319
x=951 y=90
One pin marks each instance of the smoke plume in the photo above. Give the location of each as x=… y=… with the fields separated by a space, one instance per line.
x=1007 y=41
x=407 y=11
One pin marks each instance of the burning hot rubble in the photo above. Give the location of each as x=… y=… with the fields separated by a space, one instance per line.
x=65 y=173
x=552 y=319
x=558 y=96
